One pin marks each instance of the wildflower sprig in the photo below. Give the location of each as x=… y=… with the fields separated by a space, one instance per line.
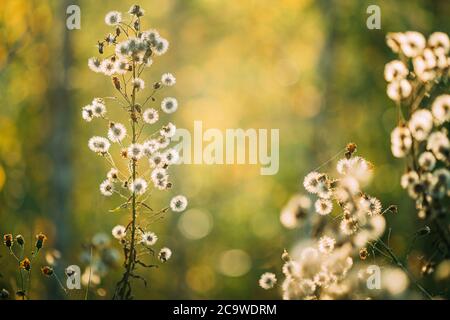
x=23 y=261
x=129 y=51
x=418 y=81
x=325 y=268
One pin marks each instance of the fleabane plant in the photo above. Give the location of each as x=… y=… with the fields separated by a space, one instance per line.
x=418 y=82
x=137 y=146
x=343 y=226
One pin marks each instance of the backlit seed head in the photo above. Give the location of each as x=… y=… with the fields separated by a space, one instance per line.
x=164 y=254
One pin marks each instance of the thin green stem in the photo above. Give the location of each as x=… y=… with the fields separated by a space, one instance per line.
x=402 y=266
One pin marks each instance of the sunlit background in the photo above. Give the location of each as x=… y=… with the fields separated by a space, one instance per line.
x=309 y=68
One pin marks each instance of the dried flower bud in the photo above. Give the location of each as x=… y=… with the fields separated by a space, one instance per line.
x=137 y=25
x=40 y=239
x=393 y=208
x=363 y=254
x=4 y=294
x=347 y=215
x=20 y=240
x=8 y=240
x=157 y=85
x=47 y=271
x=351 y=147
x=138 y=108
x=25 y=264
x=100 y=47
x=285 y=256
x=124 y=153
x=116 y=82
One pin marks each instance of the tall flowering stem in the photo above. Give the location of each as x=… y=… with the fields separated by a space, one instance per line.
x=418 y=82
x=148 y=155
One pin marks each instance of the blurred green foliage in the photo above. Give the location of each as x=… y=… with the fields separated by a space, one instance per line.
x=310 y=68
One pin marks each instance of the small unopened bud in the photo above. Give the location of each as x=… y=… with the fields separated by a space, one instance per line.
x=157 y=85
x=47 y=271
x=285 y=256
x=4 y=294
x=334 y=184
x=20 y=240
x=424 y=231
x=40 y=239
x=393 y=208
x=347 y=215
x=363 y=254
x=100 y=47
x=25 y=264
x=350 y=149
x=8 y=240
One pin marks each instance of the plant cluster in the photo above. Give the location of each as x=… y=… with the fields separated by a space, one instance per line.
x=147 y=155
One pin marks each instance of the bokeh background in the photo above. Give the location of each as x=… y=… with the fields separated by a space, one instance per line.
x=310 y=68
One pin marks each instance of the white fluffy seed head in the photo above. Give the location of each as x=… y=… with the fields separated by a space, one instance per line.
x=150 y=116
x=149 y=238
x=119 y=232
x=441 y=109
x=138 y=186
x=117 y=132
x=107 y=188
x=326 y=244
x=169 y=105
x=99 y=144
x=168 y=79
x=113 y=18
x=161 y=46
x=164 y=254
x=178 y=203
x=267 y=280
x=323 y=206
x=94 y=64
x=395 y=70
x=135 y=151
x=168 y=131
